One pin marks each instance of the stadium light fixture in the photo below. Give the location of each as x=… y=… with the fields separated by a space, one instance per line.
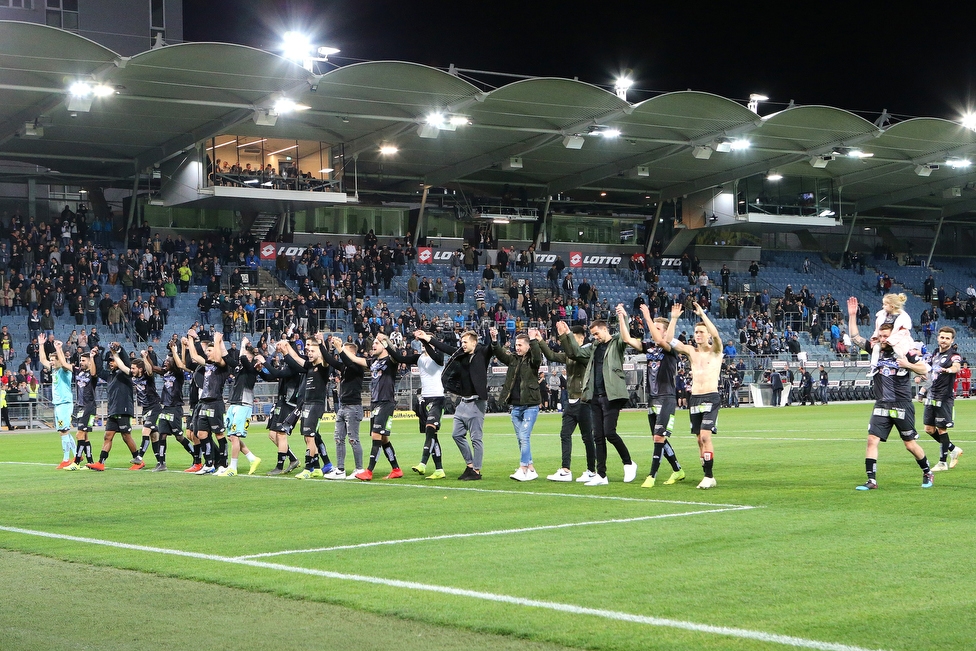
x=925 y=170
x=609 y=133
x=285 y=105
x=621 y=86
x=754 y=100
x=773 y=175
x=81 y=94
x=388 y=150
x=968 y=120
x=959 y=163
x=295 y=46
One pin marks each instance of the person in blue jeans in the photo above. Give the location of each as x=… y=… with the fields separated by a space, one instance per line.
x=522 y=393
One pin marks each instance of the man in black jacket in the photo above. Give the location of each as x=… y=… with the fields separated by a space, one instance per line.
x=466 y=374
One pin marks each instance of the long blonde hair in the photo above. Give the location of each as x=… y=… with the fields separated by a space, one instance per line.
x=895 y=301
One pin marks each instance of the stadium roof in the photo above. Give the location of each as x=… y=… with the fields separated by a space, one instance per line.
x=166 y=100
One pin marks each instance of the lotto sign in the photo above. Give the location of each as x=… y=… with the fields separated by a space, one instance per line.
x=268 y=251
x=425 y=254
x=575 y=259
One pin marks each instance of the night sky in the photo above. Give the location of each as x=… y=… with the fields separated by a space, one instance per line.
x=917 y=61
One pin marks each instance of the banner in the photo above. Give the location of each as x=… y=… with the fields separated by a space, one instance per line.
x=425 y=255
x=268 y=251
x=575 y=259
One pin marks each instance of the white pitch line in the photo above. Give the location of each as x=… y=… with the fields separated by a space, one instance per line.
x=496 y=532
x=392 y=484
x=742 y=633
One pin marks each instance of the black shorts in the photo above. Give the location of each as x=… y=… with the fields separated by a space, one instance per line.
x=289 y=418
x=432 y=410
x=382 y=417
x=150 y=415
x=210 y=417
x=311 y=415
x=900 y=415
x=276 y=419
x=938 y=413
x=660 y=415
x=704 y=412
x=83 y=417
x=170 y=420
x=191 y=422
x=119 y=423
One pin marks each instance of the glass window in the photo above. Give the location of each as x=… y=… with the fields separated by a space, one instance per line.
x=69 y=20
x=156 y=11
x=53 y=17
x=69 y=5
x=53 y=4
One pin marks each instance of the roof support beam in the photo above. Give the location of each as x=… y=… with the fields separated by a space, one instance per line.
x=878 y=201
x=721 y=178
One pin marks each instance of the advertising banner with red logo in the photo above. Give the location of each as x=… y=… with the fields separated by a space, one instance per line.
x=425 y=254
x=268 y=251
x=575 y=259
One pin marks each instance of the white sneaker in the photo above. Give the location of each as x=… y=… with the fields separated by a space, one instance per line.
x=518 y=475
x=597 y=481
x=942 y=465
x=561 y=475
x=586 y=476
x=352 y=475
x=707 y=482
x=954 y=456
x=531 y=474
x=630 y=472
x=221 y=471
x=335 y=473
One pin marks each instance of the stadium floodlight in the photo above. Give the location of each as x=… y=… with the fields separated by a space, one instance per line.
x=285 y=105
x=295 y=46
x=754 y=100
x=621 y=86
x=435 y=119
x=774 y=176
x=325 y=52
x=609 y=133
x=388 y=150
x=740 y=143
x=959 y=163
x=81 y=93
x=459 y=120
x=968 y=120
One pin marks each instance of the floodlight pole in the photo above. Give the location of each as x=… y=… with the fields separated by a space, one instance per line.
x=935 y=240
x=420 y=216
x=132 y=208
x=649 y=244
x=850 y=231
x=545 y=220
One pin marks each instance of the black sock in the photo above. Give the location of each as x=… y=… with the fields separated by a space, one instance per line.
x=923 y=463
x=185 y=442
x=222 y=452
x=161 y=449
x=708 y=458
x=281 y=461
x=425 y=455
x=656 y=459
x=323 y=453
x=207 y=449
x=79 y=451
x=671 y=456
x=945 y=446
x=144 y=446
x=291 y=455
x=871 y=467
x=89 y=456
x=308 y=463
x=373 y=452
x=435 y=452
x=155 y=449
x=391 y=455
x=197 y=453
x=102 y=456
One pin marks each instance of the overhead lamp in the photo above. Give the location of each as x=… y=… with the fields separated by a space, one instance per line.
x=500 y=220
x=851 y=152
x=609 y=133
x=428 y=131
x=513 y=163
x=773 y=175
x=925 y=170
x=754 y=100
x=969 y=120
x=827 y=213
x=435 y=119
x=701 y=152
x=459 y=120
x=621 y=86
x=295 y=46
x=643 y=170
x=81 y=94
x=722 y=145
x=820 y=162
x=265 y=117
x=247 y=144
x=740 y=143
x=388 y=150
x=326 y=170
x=958 y=163
x=285 y=105
x=573 y=142
x=281 y=150
x=251 y=182
x=325 y=52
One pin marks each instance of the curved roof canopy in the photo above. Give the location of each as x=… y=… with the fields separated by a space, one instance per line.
x=165 y=101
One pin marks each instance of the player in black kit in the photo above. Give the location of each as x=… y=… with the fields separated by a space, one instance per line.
x=662 y=368
x=383 y=370
x=120 y=405
x=313 y=407
x=170 y=419
x=144 y=384
x=893 y=405
x=86 y=377
x=945 y=361
x=289 y=381
x=210 y=414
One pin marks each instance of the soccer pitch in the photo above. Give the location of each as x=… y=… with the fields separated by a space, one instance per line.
x=784 y=553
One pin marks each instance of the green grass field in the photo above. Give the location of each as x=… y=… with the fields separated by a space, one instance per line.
x=783 y=553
